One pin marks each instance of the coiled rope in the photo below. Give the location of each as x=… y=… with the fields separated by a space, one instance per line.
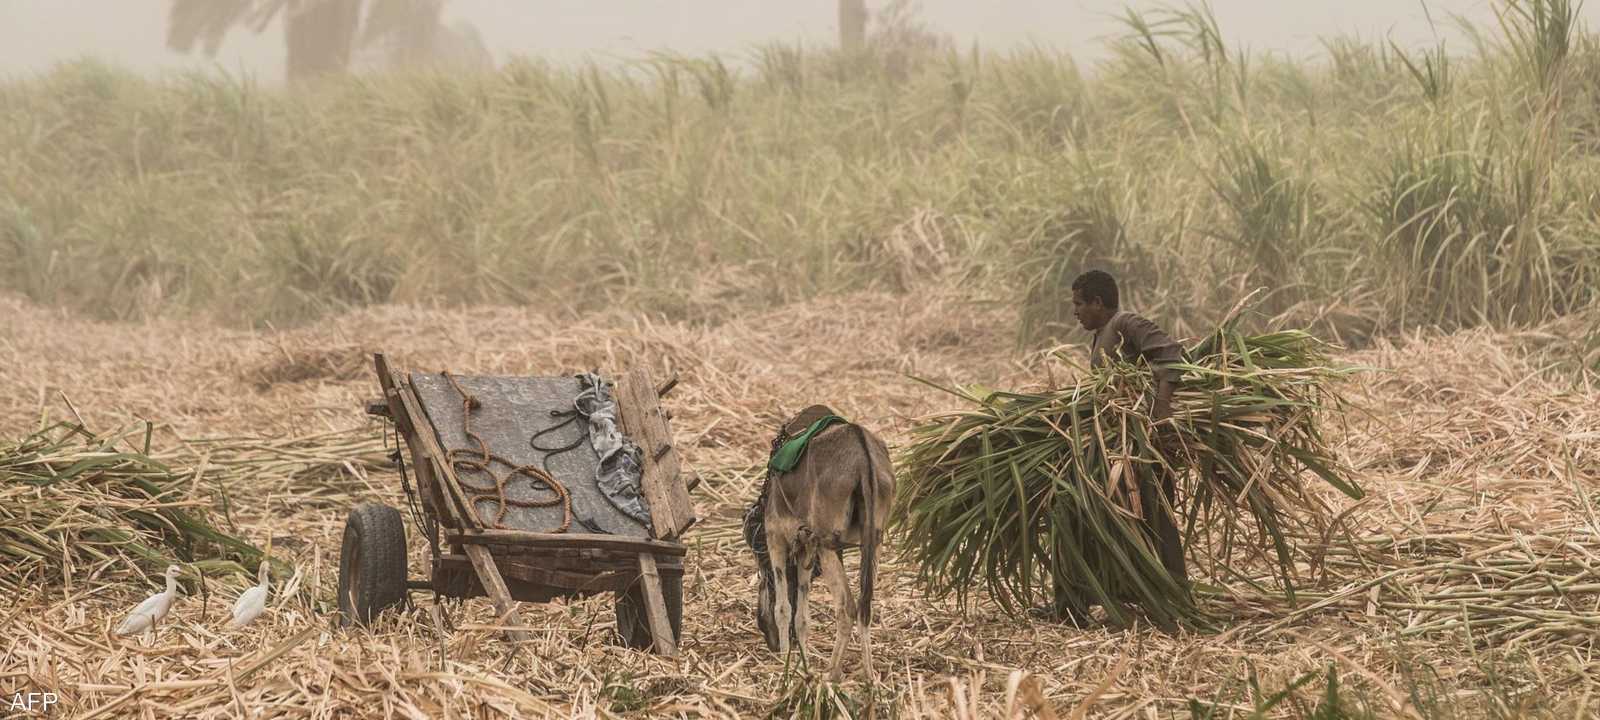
x=482 y=463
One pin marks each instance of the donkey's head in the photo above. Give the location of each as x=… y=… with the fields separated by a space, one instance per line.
x=755 y=535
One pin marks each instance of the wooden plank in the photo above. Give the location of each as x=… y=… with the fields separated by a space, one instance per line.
x=567 y=580
x=404 y=421
x=427 y=479
x=604 y=542
x=584 y=580
x=391 y=392
x=422 y=430
x=655 y=608
x=495 y=585
x=433 y=498
x=590 y=559
x=460 y=580
x=617 y=564
x=612 y=563
x=639 y=409
x=454 y=576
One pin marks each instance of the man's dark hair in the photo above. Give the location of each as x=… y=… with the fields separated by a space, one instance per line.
x=1097 y=285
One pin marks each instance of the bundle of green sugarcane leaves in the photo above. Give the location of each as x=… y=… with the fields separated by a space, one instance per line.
x=1032 y=495
x=76 y=504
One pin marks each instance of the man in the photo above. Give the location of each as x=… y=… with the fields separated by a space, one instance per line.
x=1126 y=337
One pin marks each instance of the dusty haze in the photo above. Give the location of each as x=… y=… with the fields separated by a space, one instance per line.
x=35 y=34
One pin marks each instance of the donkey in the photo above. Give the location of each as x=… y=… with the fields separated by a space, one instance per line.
x=838 y=496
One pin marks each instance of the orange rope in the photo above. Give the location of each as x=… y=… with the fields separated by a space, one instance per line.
x=498 y=493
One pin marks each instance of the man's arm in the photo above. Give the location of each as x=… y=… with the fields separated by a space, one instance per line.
x=1159 y=351
x=1163 y=406
x=1161 y=413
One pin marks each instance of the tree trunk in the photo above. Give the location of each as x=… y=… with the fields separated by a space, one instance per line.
x=852 y=25
x=415 y=38
x=320 y=34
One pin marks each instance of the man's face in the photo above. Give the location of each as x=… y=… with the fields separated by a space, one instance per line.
x=1091 y=314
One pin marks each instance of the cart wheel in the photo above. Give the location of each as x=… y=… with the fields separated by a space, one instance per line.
x=632 y=622
x=372 y=562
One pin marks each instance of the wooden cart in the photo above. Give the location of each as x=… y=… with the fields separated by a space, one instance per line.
x=492 y=538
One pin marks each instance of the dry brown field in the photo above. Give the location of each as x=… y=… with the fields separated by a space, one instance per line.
x=1469 y=585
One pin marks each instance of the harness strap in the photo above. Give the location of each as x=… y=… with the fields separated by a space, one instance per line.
x=793 y=449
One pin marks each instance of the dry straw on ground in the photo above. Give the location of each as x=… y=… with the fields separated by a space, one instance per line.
x=74 y=502
x=1470 y=584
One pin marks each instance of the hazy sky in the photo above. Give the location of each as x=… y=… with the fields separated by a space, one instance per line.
x=35 y=34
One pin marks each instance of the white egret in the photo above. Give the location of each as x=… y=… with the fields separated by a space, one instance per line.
x=150 y=612
x=253 y=600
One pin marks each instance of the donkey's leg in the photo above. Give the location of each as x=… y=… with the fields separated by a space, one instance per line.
x=802 y=608
x=844 y=610
x=778 y=555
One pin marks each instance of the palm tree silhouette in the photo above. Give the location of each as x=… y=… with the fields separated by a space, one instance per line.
x=321 y=35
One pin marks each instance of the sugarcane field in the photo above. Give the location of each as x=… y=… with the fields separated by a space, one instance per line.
x=859 y=359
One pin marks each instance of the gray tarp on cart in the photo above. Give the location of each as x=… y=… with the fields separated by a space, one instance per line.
x=513 y=410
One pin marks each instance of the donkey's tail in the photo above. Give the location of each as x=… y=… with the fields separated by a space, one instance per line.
x=869 y=529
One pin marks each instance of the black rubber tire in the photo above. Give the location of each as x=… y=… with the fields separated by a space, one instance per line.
x=633 y=625
x=372 y=563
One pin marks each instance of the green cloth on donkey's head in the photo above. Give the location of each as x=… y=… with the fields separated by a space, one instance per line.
x=789 y=455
